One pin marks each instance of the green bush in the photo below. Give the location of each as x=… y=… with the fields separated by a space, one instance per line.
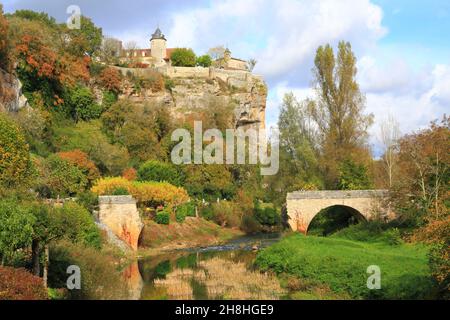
x=81 y=105
x=267 y=216
x=154 y=170
x=169 y=84
x=162 y=217
x=250 y=224
x=207 y=213
x=82 y=226
x=88 y=200
x=180 y=216
x=100 y=279
x=183 y=57
x=226 y=214
x=372 y=231
x=187 y=209
x=204 y=61
x=109 y=98
x=120 y=191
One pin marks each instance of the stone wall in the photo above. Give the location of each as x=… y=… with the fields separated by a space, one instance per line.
x=120 y=215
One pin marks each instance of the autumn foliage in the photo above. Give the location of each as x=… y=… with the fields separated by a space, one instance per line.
x=153 y=193
x=19 y=284
x=81 y=160
x=4 y=57
x=130 y=174
x=111 y=80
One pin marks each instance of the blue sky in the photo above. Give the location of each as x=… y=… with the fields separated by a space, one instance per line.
x=403 y=46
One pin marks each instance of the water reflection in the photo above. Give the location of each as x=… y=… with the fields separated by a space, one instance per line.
x=223 y=272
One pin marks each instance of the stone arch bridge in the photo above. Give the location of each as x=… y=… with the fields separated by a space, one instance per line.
x=303 y=206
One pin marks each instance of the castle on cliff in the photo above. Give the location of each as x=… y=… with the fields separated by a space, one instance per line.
x=158 y=55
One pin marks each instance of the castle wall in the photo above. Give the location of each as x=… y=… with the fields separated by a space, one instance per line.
x=237 y=64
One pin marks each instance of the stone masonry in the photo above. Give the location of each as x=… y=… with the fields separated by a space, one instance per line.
x=120 y=215
x=303 y=206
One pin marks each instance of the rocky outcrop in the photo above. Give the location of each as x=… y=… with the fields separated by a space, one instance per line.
x=11 y=97
x=120 y=215
x=245 y=92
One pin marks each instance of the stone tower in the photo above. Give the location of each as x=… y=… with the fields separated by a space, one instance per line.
x=158 y=45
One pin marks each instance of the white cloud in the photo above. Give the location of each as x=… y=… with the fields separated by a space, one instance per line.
x=282 y=35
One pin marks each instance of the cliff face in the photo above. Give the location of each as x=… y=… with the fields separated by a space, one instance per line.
x=11 y=97
x=245 y=93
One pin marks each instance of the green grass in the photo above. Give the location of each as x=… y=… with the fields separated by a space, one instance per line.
x=341 y=264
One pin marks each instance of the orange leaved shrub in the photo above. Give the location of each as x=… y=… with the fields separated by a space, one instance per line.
x=19 y=284
x=130 y=174
x=153 y=193
x=81 y=160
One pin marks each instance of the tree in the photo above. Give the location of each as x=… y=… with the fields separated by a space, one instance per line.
x=353 y=176
x=216 y=53
x=299 y=162
x=71 y=222
x=81 y=160
x=143 y=130
x=160 y=171
x=60 y=178
x=14 y=154
x=86 y=40
x=338 y=109
x=421 y=191
x=183 y=57
x=110 y=50
x=251 y=64
x=80 y=104
x=16 y=228
x=111 y=80
x=208 y=181
x=204 y=61
x=4 y=43
x=390 y=134
x=111 y=159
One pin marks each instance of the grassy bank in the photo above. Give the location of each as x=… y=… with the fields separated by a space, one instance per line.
x=193 y=232
x=340 y=265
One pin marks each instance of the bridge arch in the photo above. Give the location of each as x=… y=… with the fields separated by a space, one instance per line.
x=338 y=214
x=303 y=206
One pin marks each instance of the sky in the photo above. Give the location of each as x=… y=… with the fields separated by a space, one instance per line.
x=402 y=46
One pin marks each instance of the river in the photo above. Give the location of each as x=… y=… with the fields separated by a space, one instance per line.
x=215 y=272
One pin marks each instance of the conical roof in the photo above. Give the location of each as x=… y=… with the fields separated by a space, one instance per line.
x=158 y=34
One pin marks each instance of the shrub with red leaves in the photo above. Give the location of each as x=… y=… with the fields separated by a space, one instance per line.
x=19 y=284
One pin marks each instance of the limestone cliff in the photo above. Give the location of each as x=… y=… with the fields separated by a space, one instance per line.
x=193 y=88
x=11 y=97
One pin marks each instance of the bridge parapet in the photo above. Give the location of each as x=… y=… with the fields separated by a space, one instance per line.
x=337 y=194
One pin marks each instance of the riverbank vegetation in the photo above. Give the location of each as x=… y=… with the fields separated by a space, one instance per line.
x=340 y=263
